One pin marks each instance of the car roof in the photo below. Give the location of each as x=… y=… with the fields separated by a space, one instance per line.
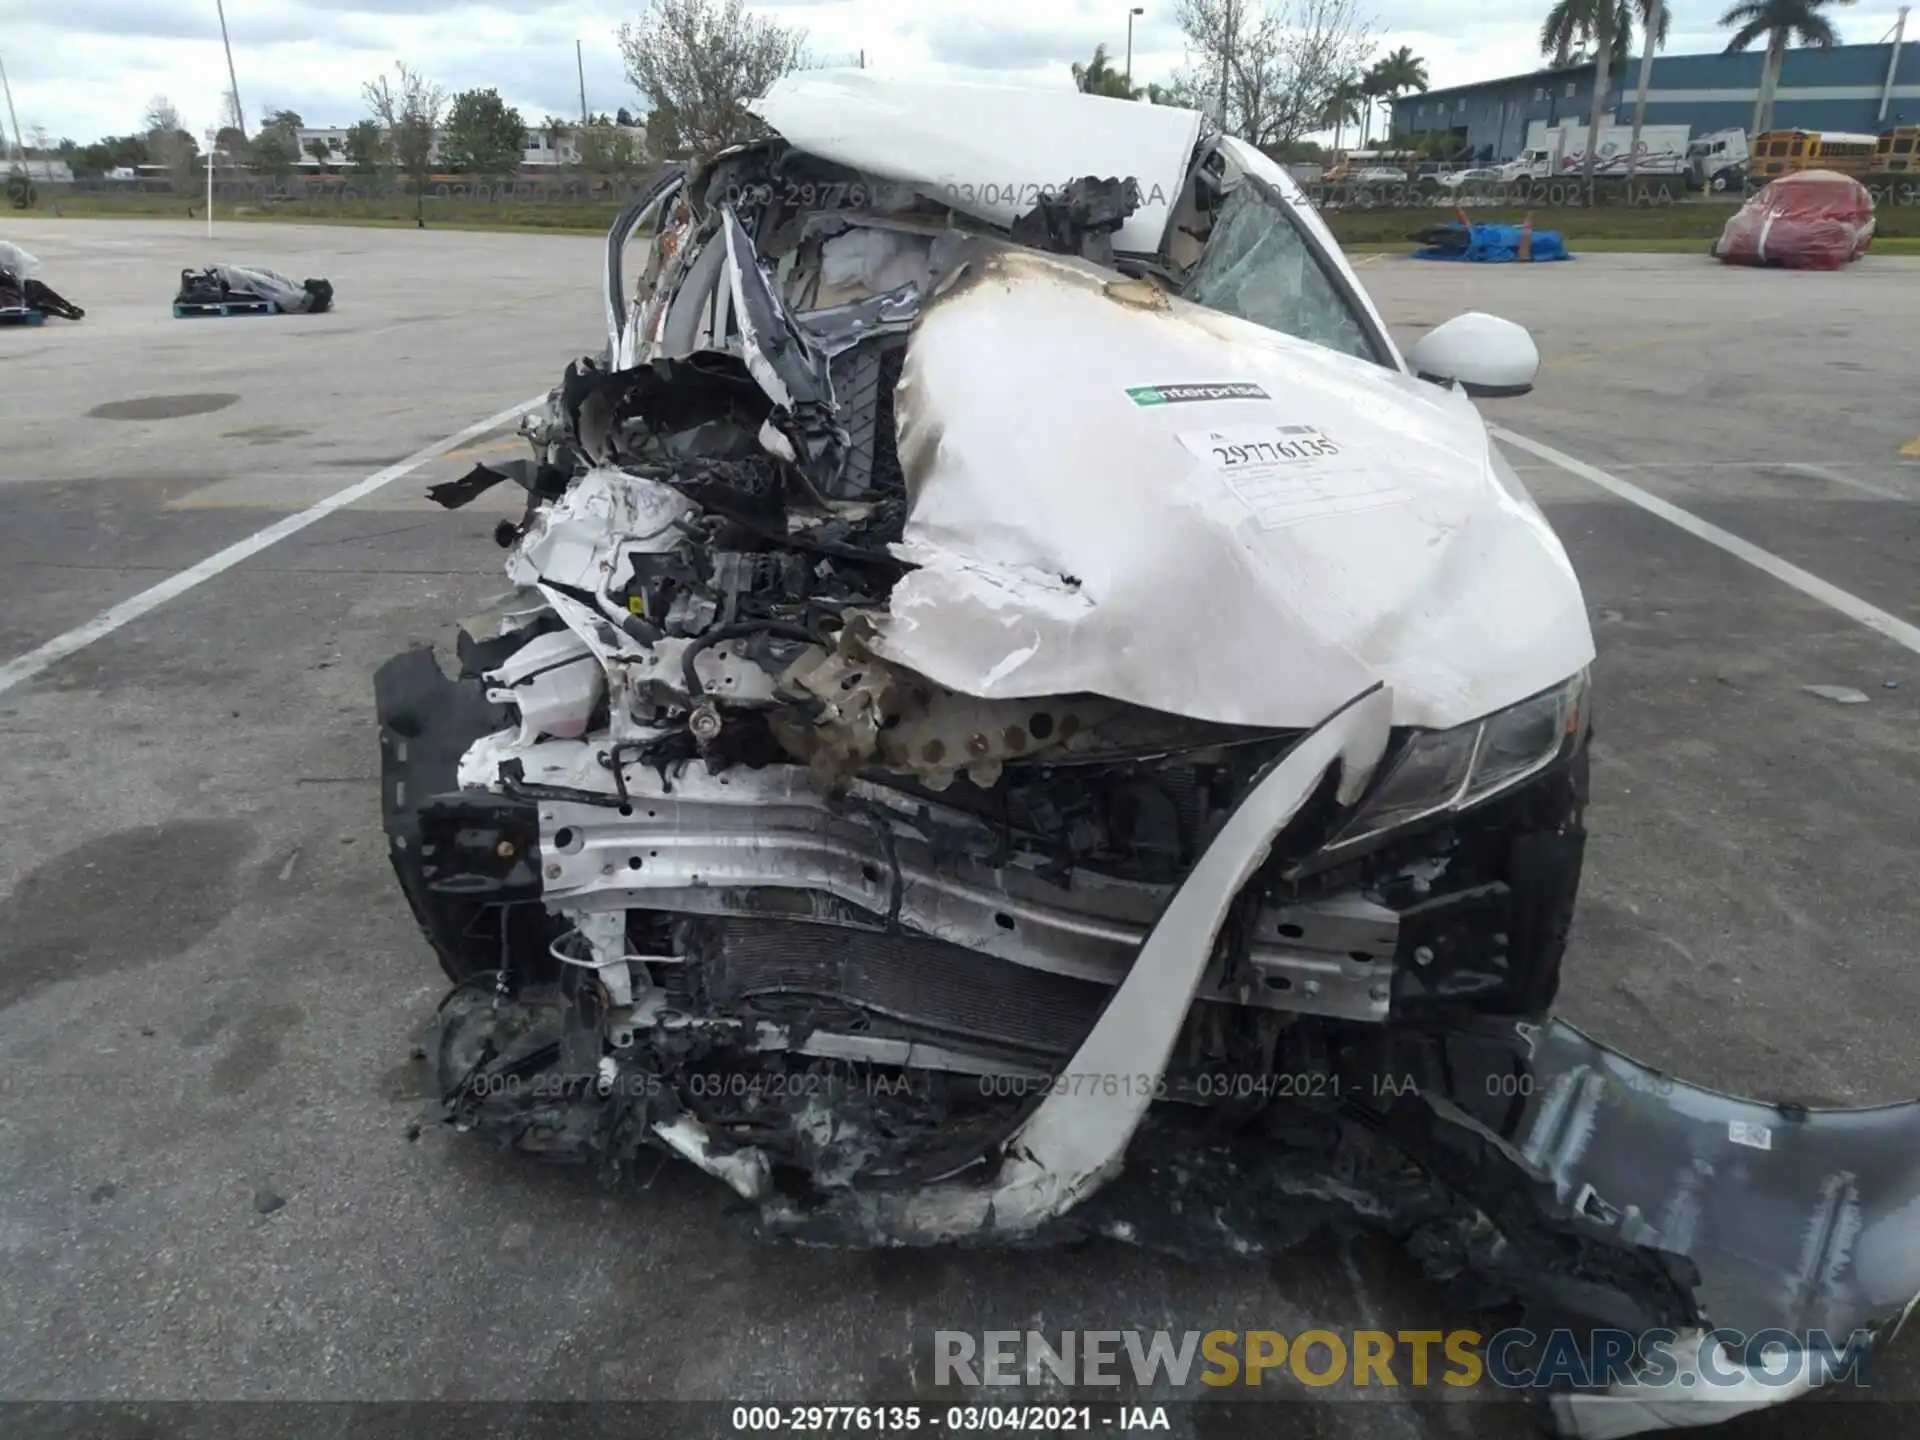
x=990 y=151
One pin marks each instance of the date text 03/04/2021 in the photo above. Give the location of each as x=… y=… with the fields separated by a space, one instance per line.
x=933 y=1420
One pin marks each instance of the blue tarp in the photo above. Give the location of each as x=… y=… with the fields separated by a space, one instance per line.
x=1495 y=244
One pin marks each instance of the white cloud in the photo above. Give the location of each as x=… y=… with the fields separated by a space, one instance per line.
x=83 y=68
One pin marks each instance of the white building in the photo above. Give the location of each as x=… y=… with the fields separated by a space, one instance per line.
x=539 y=154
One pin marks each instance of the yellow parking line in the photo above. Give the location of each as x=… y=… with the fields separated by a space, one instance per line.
x=466 y=452
x=1912 y=447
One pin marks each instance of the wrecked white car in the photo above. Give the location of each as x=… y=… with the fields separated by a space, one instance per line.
x=1025 y=715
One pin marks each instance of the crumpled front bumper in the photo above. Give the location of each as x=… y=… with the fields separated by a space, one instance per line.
x=1764 y=1247
x=1525 y=1163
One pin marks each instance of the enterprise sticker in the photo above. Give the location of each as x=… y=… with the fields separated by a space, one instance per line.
x=1285 y=474
x=1185 y=394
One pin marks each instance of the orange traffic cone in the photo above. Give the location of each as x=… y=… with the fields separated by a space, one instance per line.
x=1526 y=238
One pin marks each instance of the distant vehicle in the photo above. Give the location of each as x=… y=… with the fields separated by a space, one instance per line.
x=1356 y=165
x=1717 y=161
x=1787 y=152
x=1560 y=152
x=1808 y=220
x=1898 y=151
x=1478 y=176
x=1888 y=164
x=1380 y=175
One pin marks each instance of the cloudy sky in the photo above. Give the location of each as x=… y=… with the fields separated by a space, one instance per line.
x=83 y=68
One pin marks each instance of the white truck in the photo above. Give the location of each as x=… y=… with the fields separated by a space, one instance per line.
x=1717 y=161
x=1561 y=150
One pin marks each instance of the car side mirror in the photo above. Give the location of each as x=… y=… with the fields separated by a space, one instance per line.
x=1486 y=355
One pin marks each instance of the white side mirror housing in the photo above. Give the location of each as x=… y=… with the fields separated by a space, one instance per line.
x=1485 y=354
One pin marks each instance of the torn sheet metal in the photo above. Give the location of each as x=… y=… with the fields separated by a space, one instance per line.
x=1235 y=525
x=1077 y=1138
x=989 y=151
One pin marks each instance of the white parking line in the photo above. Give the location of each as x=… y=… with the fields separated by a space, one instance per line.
x=18 y=671
x=1852 y=606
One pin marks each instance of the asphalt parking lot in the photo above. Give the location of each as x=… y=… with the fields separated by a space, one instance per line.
x=210 y=988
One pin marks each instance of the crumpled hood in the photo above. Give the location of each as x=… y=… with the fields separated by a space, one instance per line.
x=990 y=151
x=1119 y=494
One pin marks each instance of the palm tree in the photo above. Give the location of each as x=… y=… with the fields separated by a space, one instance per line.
x=321 y=150
x=555 y=130
x=1342 y=106
x=1370 y=92
x=1605 y=28
x=1780 y=21
x=1655 y=18
x=1400 y=72
x=1100 y=78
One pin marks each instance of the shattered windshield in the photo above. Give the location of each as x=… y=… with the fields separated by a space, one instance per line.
x=1259 y=267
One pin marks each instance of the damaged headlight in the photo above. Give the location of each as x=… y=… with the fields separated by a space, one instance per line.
x=1444 y=770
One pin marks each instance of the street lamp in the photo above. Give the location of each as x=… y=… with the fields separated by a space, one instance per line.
x=1136 y=10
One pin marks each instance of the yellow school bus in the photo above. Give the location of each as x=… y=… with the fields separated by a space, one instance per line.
x=1782 y=152
x=1898 y=151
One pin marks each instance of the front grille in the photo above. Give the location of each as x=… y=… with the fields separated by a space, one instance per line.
x=911 y=986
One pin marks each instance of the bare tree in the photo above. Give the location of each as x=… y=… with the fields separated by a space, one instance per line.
x=1272 y=66
x=410 y=114
x=161 y=114
x=168 y=141
x=231 y=137
x=703 y=60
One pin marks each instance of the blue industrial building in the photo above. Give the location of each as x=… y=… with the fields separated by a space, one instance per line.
x=1856 y=88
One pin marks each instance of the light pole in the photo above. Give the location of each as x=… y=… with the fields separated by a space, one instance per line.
x=1136 y=10
x=239 y=116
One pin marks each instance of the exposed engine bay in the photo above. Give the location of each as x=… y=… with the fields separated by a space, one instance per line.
x=896 y=787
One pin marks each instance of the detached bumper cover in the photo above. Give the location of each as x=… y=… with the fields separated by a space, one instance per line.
x=1804 y=1224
